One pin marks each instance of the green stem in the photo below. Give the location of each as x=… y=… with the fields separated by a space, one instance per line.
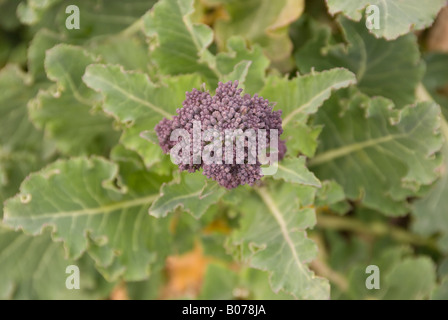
x=134 y=28
x=321 y=267
x=379 y=229
x=375 y=229
x=423 y=94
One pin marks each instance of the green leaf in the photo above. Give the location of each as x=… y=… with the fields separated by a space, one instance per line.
x=410 y=279
x=187 y=231
x=129 y=51
x=138 y=103
x=8 y=18
x=237 y=52
x=263 y=22
x=299 y=98
x=395 y=17
x=294 y=170
x=271 y=237
x=442 y=270
x=127 y=48
x=239 y=73
x=77 y=198
x=441 y=291
x=21 y=147
x=331 y=192
x=17 y=133
x=436 y=79
x=65 y=111
x=222 y=283
x=148 y=289
x=181 y=46
x=254 y=284
x=380 y=66
x=42 y=41
x=331 y=196
x=129 y=95
x=430 y=212
x=5 y=49
x=350 y=118
x=35 y=268
x=303 y=139
x=31 y=11
x=303 y=95
x=219 y=283
x=193 y=193
x=97 y=17
x=402 y=277
x=379 y=155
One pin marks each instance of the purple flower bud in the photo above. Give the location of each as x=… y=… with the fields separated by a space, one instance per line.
x=227 y=110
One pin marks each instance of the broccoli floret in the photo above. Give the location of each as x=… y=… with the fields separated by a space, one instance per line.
x=227 y=110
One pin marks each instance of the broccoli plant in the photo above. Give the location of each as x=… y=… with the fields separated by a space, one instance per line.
x=224 y=116
x=223 y=149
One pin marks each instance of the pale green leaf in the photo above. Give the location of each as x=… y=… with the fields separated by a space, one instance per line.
x=303 y=95
x=17 y=133
x=21 y=147
x=8 y=18
x=222 y=283
x=65 y=112
x=35 y=268
x=271 y=237
x=331 y=196
x=138 y=103
x=239 y=73
x=97 y=17
x=264 y=22
x=237 y=52
x=298 y=99
x=181 y=45
x=193 y=194
x=294 y=170
x=219 y=283
x=77 y=198
x=431 y=211
x=303 y=139
x=402 y=276
x=147 y=289
x=254 y=284
x=379 y=155
x=395 y=17
x=441 y=291
x=380 y=66
x=31 y=11
x=410 y=279
x=131 y=52
x=42 y=41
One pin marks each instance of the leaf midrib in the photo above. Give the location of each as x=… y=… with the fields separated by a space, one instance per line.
x=90 y=211
x=267 y=199
x=345 y=150
x=133 y=97
x=317 y=97
x=154 y=212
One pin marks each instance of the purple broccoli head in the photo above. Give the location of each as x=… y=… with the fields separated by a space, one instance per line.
x=225 y=112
